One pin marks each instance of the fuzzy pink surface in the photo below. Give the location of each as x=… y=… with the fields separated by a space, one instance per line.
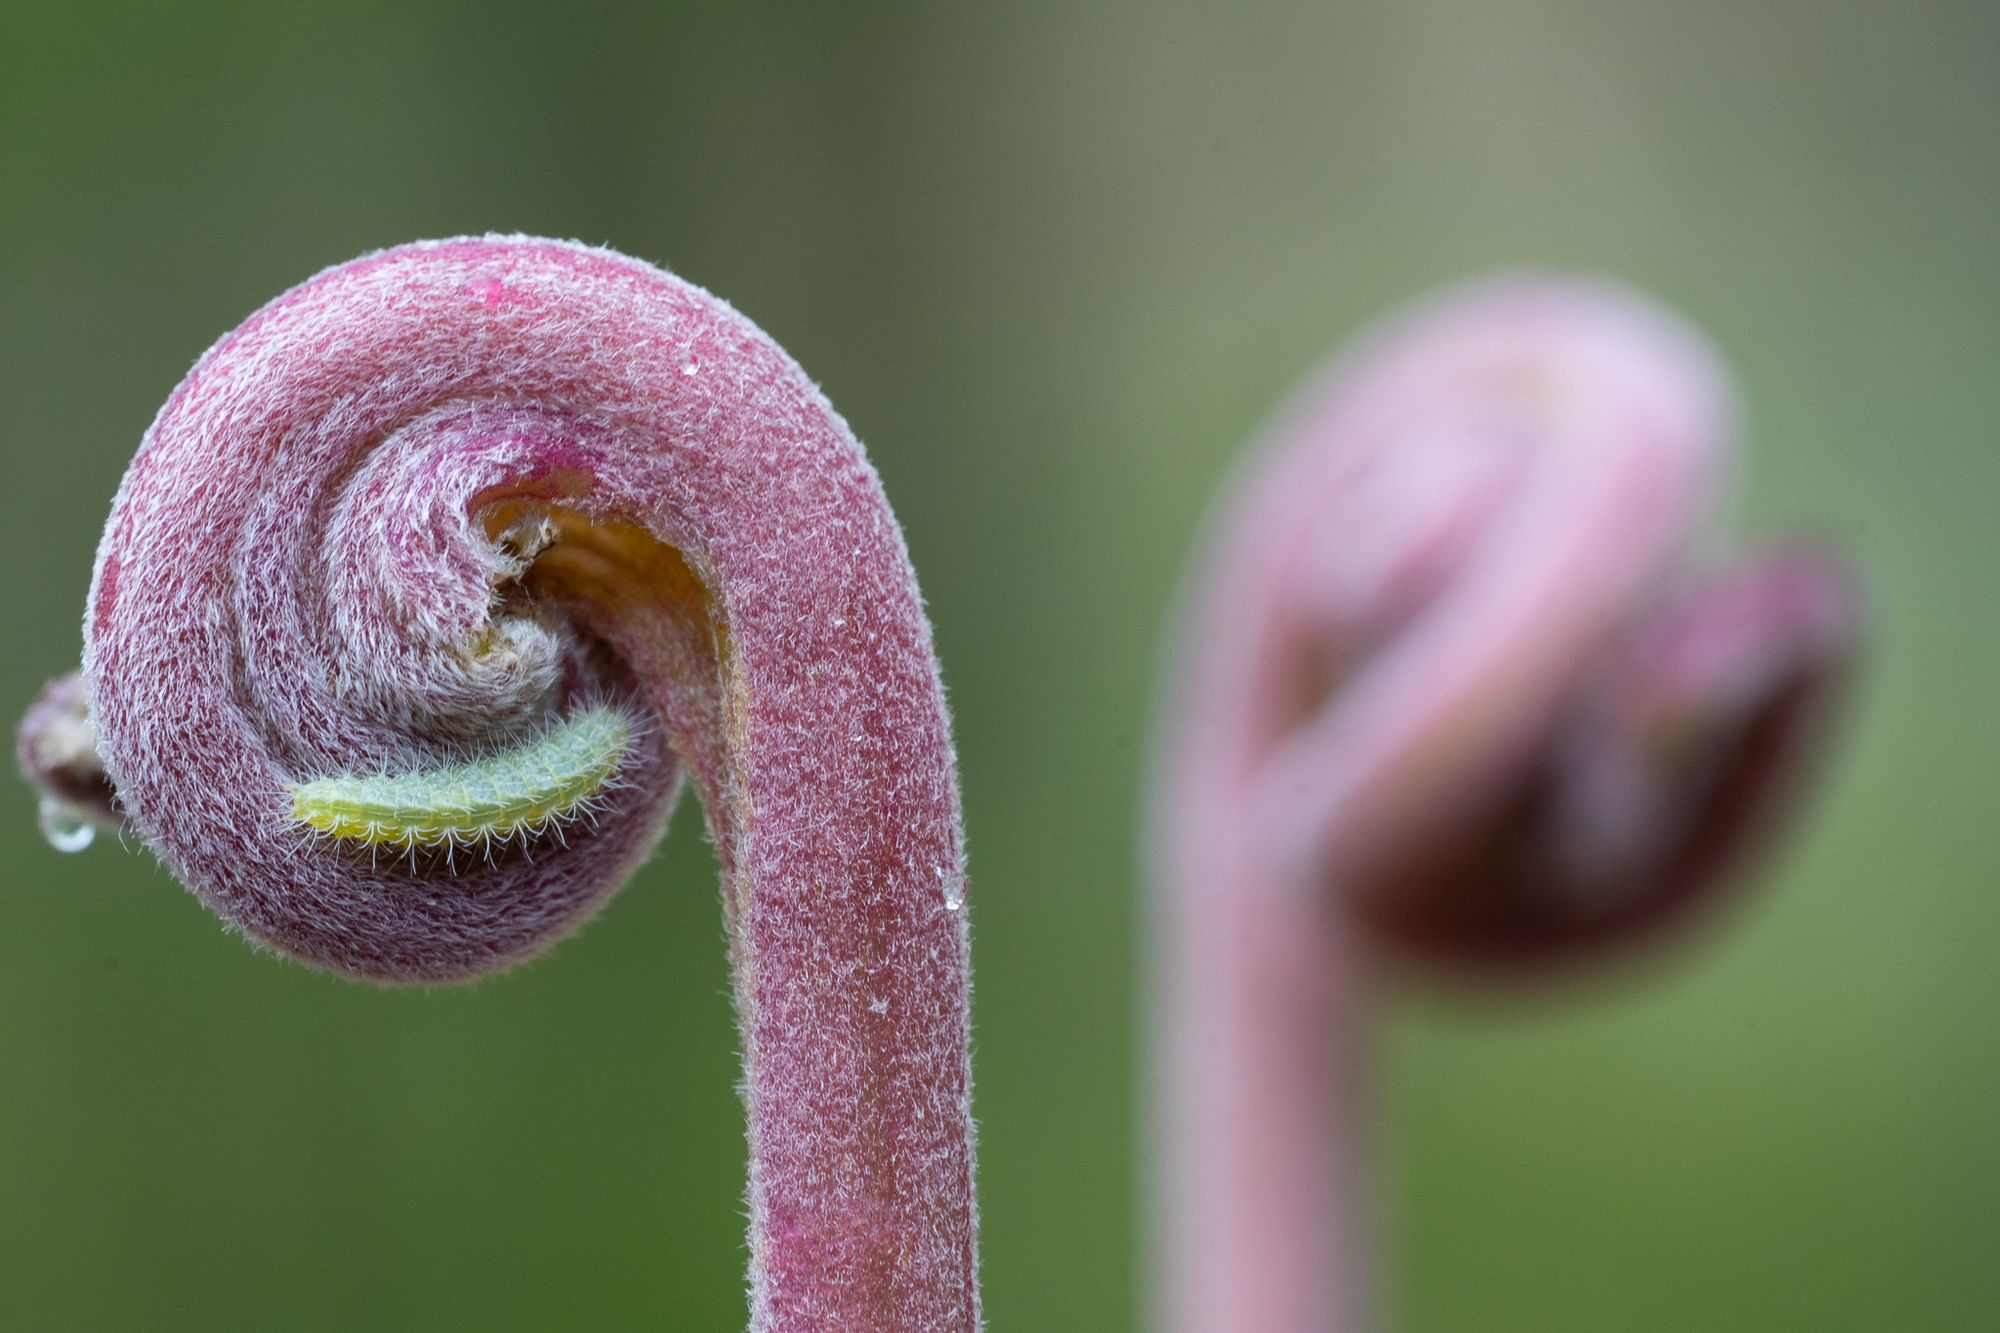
x=1448 y=691
x=302 y=576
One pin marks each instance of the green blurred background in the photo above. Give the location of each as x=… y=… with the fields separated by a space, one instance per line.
x=1054 y=262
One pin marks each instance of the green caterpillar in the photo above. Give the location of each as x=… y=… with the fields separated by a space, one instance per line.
x=521 y=792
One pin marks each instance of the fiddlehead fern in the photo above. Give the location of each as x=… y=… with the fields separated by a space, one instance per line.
x=425 y=589
x=1450 y=692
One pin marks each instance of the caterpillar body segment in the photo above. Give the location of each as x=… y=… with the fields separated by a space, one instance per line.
x=513 y=794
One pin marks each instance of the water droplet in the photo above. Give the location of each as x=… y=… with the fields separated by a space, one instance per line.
x=954 y=889
x=64 y=827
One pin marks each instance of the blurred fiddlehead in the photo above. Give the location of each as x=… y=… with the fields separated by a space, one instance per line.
x=1451 y=692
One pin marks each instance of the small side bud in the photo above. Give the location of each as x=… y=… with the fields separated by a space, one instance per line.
x=56 y=749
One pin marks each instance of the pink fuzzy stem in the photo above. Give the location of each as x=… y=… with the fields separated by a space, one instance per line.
x=432 y=499
x=1444 y=676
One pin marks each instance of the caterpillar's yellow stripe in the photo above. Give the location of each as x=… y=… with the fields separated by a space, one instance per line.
x=520 y=792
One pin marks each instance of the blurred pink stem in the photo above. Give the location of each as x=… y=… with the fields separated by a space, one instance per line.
x=1259 y=1110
